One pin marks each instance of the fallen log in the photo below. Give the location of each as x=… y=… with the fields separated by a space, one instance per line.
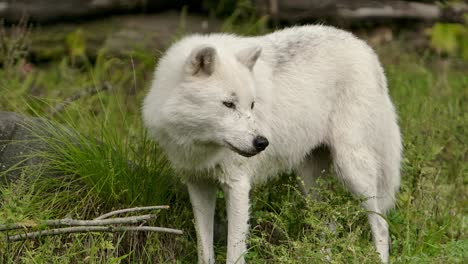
x=117 y=36
x=293 y=11
x=60 y=10
x=290 y=11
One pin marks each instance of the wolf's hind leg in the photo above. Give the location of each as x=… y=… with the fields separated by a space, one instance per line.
x=315 y=166
x=203 y=199
x=358 y=168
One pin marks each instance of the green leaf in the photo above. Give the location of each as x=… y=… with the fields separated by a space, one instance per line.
x=76 y=43
x=450 y=38
x=464 y=44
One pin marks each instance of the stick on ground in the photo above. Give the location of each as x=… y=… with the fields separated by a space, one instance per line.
x=81 y=229
x=134 y=209
x=73 y=222
x=81 y=93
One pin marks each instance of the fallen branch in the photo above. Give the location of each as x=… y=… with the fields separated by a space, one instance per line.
x=95 y=225
x=73 y=222
x=81 y=229
x=128 y=210
x=76 y=96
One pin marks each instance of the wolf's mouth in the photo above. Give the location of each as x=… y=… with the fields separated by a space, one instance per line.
x=241 y=152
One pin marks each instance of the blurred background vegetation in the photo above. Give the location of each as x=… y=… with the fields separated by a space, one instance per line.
x=84 y=66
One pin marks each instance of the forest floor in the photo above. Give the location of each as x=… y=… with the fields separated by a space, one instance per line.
x=126 y=169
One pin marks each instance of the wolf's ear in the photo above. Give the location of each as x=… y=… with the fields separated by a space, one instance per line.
x=249 y=56
x=202 y=61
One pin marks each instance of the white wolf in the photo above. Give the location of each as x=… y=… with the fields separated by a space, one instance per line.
x=232 y=111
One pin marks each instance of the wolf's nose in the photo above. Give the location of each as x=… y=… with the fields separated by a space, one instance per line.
x=260 y=143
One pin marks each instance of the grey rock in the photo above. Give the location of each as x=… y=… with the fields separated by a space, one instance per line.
x=17 y=144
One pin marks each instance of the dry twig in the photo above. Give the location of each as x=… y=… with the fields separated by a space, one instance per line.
x=95 y=225
x=128 y=210
x=73 y=222
x=81 y=229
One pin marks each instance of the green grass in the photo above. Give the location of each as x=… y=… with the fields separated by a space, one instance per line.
x=102 y=159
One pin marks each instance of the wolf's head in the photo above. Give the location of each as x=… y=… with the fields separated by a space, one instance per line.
x=210 y=101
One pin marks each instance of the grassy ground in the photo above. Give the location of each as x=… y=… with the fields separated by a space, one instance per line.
x=125 y=169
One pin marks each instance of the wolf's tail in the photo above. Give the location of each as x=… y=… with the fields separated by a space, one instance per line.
x=389 y=183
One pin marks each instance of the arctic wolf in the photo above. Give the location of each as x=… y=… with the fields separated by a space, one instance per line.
x=233 y=111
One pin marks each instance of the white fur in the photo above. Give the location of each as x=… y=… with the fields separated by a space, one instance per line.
x=312 y=86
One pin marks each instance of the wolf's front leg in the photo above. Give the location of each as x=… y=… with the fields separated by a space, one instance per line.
x=203 y=199
x=237 y=205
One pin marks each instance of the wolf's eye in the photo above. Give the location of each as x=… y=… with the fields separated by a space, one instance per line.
x=252 y=105
x=229 y=105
